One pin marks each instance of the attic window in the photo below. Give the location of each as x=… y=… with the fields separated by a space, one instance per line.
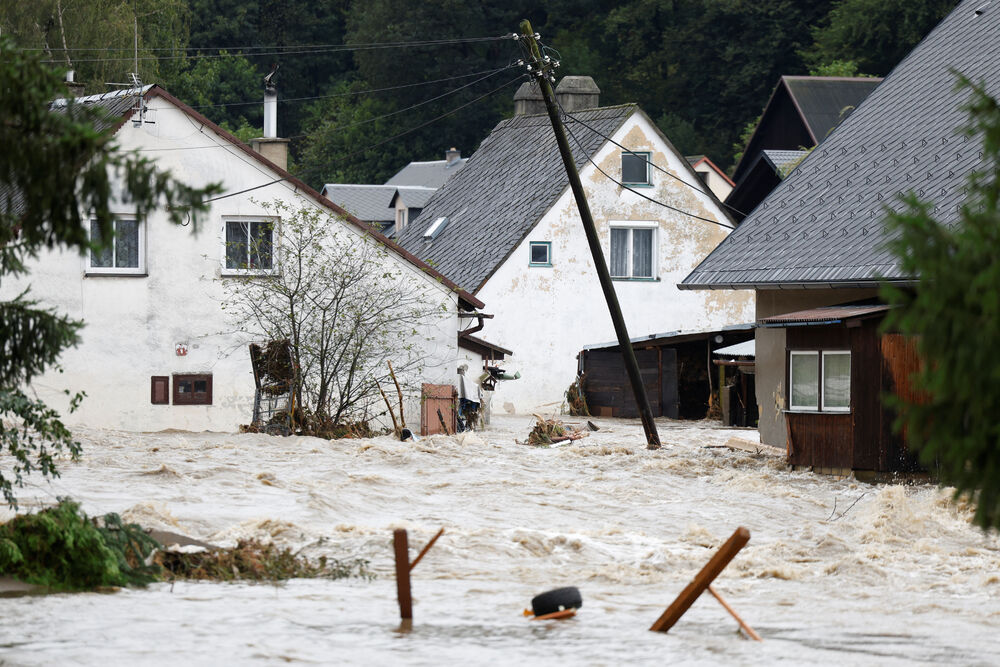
x=635 y=168
x=540 y=253
x=436 y=228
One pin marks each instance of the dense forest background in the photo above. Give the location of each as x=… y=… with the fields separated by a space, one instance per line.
x=357 y=110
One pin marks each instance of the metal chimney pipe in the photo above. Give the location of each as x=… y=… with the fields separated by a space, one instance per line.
x=270 y=112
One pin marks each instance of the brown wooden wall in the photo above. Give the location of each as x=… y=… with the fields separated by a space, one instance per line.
x=820 y=440
x=609 y=392
x=862 y=439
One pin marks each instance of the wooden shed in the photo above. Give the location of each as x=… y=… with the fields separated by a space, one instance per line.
x=676 y=370
x=839 y=367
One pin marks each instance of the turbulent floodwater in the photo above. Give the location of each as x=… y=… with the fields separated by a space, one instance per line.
x=836 y=571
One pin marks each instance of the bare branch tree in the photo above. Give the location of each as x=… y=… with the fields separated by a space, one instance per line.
x=343 y=301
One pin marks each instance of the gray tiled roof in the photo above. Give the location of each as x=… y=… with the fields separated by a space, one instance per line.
x=373 y=203
x=115 y=105
x=415 y=196
x=824 y=101
x=502 y=192
x=823 y=225
x=784 y=161
x=432 y=174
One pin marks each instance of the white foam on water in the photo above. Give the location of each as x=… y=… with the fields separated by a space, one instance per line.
x=836 y=571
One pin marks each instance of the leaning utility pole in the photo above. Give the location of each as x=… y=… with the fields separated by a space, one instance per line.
x=541 y=69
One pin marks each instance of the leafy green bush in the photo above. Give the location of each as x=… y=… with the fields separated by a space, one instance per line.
x=61 y=548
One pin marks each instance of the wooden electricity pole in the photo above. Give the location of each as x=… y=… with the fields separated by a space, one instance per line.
x=540 y=69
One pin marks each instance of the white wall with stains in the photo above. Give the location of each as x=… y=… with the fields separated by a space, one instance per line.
x=135 y=323
x=546 y=315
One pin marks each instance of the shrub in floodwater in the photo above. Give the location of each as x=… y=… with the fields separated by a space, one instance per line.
x=253 y=560
x=61 y=548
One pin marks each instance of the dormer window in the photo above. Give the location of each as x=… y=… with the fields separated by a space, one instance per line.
x=635 y=168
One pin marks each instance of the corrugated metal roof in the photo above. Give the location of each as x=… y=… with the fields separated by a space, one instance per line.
x=747 y=349
x=673 y=336
x=825 y=314
x=823 y=224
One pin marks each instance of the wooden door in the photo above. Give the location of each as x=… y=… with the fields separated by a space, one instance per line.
x=435 y=397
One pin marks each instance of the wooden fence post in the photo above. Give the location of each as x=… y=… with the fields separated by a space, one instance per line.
x=401 y=545
x=702 y=580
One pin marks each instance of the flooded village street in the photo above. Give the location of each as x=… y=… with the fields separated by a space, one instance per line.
x=836 y=571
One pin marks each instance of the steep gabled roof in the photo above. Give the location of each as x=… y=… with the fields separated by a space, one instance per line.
x=801 y=112
x=823 y=101
x=823 y=225
x=153 y=91
x=506 y=187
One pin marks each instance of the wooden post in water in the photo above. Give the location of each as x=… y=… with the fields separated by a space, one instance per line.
x=703 y=581
x=401 y=545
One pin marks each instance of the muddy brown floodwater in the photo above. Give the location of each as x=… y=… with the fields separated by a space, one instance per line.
x=836 y=571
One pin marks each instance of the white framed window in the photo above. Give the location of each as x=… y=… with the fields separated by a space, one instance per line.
x=633 y=251
x=836 y=381
x=635 y=168
x=819 y=380
x=803 y=383
x=125 y=254
x=540 y=253
x=249 y=247
x=401 y=219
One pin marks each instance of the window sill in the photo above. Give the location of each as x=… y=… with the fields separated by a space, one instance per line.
x=637 y=185
x=635 y=280
x=113 y=274
x=230 y=273
x=542 y=266
x=815 y=412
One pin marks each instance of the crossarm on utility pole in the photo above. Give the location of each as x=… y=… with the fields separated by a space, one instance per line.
x=540 y=69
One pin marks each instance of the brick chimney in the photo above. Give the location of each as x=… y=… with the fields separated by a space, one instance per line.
x=578 y=92
x=270 y=145
x=528 y=99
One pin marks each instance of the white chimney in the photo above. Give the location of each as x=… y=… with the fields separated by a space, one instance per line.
x=270 y=145
x=270 y=112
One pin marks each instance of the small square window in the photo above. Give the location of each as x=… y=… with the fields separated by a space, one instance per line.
x=541 y=253
x=125 y=253
x=192 y=390
x=635 y=168
x=819 y=380
x=249 y=246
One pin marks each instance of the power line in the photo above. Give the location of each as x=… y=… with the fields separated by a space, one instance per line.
x=648 y=161
x=293 y=51
x=414 y=106
x=348 y=93
x=614 y=180
x=287 y=46
x=379 y=143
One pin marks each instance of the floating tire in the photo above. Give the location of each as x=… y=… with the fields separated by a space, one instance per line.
x=559 y=599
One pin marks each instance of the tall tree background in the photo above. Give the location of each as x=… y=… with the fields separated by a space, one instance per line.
x=702 y=69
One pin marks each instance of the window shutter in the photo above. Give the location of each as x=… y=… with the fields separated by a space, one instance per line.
x=159 y=390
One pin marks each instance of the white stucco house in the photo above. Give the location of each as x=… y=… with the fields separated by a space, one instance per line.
x=507 y=229
x=157 y=350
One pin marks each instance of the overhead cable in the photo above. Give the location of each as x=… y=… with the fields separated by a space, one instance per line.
x=619 y=183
